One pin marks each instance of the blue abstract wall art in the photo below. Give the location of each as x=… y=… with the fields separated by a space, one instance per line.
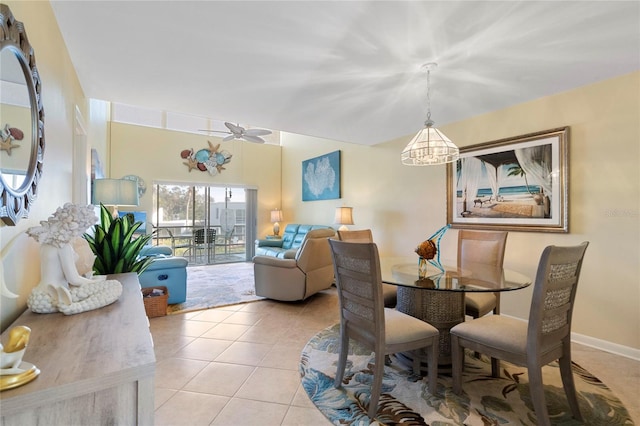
x=321 y=177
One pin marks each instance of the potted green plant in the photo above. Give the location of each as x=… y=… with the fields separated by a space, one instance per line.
x=114 y=246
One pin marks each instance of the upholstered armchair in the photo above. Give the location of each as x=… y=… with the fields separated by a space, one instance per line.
x=165 y=270
x=295 y=279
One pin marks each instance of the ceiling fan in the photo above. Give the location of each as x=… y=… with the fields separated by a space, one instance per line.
x=238 y=132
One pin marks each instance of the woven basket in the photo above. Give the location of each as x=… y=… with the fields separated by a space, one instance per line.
x=155 y=306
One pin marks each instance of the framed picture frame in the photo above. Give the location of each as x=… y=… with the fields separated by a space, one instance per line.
x=513 y=184
x=321 y=177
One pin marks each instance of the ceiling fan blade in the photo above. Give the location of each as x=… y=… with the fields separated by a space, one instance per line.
x=257 y=132
x=234 y=128
x=254 y=139
x=213 y=131
x=228 y=138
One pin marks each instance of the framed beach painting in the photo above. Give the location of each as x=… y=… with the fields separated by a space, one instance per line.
x=513 y=184
x=321 y=177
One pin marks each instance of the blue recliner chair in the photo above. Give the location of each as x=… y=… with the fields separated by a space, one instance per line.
x=165 y=270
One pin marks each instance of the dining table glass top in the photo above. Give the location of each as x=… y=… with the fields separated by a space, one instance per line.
x=471 y=277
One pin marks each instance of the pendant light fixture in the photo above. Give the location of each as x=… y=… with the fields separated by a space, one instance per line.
x=430 y=146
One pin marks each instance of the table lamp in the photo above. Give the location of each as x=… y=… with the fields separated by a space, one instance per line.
x=276 y=216
x=344 y=217
x=115 y=192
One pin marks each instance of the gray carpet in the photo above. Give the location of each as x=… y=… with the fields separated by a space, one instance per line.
x=217 y=285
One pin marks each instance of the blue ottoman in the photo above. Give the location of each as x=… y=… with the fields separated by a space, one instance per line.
x=170 y=272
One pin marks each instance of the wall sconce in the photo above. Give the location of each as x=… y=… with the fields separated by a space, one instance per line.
x=276 y=216
x=114 y=193
x=344 y=216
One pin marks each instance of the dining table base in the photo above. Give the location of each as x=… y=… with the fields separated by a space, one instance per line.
x=441 y=309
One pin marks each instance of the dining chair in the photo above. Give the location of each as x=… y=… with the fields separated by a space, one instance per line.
x=204 y=241
x=545 y=338
x=487 y=248
x=364 y=318
x=389 y=292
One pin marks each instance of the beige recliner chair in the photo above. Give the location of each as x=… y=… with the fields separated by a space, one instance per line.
x=295 y=279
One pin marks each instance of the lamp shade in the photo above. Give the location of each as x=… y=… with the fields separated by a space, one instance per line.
x=429 y=147
x=276 y=215
x=115 y=192
x=344 y=216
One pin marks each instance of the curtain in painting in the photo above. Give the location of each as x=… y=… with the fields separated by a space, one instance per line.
x=536 y=163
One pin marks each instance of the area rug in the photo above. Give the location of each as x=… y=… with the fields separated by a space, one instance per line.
x=213 y=286
x=485 y=400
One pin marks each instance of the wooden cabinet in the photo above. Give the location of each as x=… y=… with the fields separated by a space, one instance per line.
x=96 y=367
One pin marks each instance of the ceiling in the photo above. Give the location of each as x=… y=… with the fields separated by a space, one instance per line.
x=344 y=70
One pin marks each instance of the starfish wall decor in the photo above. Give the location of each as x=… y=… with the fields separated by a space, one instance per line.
x=210 y=159
x=7 y=136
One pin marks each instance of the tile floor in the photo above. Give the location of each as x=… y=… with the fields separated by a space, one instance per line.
x=238 y=365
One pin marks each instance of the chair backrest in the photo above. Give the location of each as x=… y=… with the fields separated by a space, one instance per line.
x=358 y=279
x=359 y=236
x=199 y=236
x=553 y=295
x=314 y=254
x=481 y=247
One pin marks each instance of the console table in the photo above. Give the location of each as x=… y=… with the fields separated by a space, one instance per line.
x=96 y=367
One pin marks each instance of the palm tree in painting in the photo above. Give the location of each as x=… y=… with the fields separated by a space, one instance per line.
x=518 y=171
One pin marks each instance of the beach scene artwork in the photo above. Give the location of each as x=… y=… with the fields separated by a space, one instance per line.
x=513 y=184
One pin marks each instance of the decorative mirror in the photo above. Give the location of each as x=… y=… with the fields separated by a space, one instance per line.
x=21 y=121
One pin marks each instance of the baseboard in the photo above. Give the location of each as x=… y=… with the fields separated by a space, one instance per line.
x=606 y=346
x=600 y=344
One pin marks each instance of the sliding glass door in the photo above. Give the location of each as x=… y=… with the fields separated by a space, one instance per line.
x=204 y=223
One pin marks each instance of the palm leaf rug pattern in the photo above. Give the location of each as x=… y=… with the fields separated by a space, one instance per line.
x=485 y=400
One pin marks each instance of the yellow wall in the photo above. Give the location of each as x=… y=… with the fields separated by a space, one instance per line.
x=404 y=205
x=60 y=93
x=154 y=155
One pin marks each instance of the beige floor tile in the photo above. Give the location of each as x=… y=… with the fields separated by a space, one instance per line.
x=220 y=379
x=174 y=373
x=195 y=328
x=255 y=348
x=263 y=306
x=300 y=416
x=250 y=413
x=278 y=320
x=262 y=334
x=244 y=353
x=212 y=315
x=299 y=335
x=301 y=399
x=270 y=385
x=204 y=349
x=225 y=331
x=167 y=346
x=285 y=356
x=166 y=326
x=161 y=396
x=188 y=408
x=317 y=322
x=244 y=318
x=188 y=315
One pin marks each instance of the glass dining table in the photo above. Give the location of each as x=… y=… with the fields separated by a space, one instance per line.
x=438 y=298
